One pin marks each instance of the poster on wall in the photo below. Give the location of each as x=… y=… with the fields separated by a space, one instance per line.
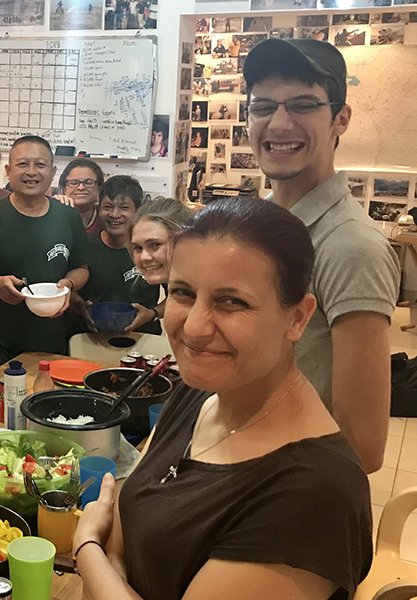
x=121 y=14
x=282 y=4
x=386 y=211
x=22 y=12
x=160 y=136
x=76 y=14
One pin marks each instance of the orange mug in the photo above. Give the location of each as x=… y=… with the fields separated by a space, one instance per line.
x=57 y=521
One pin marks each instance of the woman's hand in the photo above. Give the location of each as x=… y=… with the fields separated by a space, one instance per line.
x=65 y=200
x=96 y=520
x=144 y=315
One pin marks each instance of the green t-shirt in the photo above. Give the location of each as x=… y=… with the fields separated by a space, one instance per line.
x=43 y=249
x=115 y=278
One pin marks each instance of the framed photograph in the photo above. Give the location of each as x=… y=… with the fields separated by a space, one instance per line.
x=242 y=111
x=199 y=137
x=197 y=157
x=387 y=35
x=187 y=53
x=232 y=85
x=386 y=211
x=202 y=45
x=181 y=186
x=247 y=42
x=391 y=188
x=21 y=13
x=257 y=24
x=220 y=110
x=186 y=79
x=390 y=17
x=184 y=110
x=313 y=21
x=314 y=33
x=219 y=150
x=349 y=36
x=283 y=4
x=182 y=142
x=73 y=14
x=224 y=66
x=282 y=33
x=240 y=136
x=243 y=160
x=218 y=168
x=220 y=132
x=201 y=86
x=122 y=14
x=357 y=186
x=202 y=25
x=199 y=110
x=252 y=182
x=351 y=19
x=226 y=24
x=160 y=136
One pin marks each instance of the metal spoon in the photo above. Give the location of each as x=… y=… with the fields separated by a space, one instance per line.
x=25 y=281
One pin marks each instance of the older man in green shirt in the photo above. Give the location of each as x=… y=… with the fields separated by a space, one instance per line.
x=40 y=239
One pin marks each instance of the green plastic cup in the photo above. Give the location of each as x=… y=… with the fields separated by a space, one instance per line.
x=31 y=563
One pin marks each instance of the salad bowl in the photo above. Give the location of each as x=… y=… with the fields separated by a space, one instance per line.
x=19 y=451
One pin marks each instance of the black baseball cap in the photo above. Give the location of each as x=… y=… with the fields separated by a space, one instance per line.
x=269 y=57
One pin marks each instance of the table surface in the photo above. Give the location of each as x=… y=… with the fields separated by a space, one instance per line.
x=64 y=587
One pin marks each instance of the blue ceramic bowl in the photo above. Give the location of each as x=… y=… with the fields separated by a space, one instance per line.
x=112 y=317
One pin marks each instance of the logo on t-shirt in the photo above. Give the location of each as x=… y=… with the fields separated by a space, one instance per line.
x=56 y=250
x=131 y=274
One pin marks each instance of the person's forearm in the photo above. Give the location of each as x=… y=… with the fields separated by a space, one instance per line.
x=160 y=308
x=101 y=581
x=361 y=385
x=78 y=278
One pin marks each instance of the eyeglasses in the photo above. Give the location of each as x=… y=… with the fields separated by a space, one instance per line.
x=300 y=106
x=88 y=183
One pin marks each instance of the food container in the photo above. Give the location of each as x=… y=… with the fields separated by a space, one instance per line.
x=100 y=438
x=47 y=300
x=15 y=520
x=12 y=490
x=138 y=423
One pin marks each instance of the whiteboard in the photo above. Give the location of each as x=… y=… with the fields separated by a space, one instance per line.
x=94 y=94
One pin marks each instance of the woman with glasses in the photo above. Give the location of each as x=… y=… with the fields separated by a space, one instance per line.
x=80 y=184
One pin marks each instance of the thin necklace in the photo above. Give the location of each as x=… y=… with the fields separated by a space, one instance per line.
x=173 y=470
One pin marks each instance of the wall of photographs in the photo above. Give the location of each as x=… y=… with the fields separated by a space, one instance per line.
x=207 y=6
x=219 y=138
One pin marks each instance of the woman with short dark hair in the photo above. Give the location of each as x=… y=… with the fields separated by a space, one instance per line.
x=249 y=490
x=80 y=183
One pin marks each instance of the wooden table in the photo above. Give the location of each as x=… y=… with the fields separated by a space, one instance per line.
x=64 y=587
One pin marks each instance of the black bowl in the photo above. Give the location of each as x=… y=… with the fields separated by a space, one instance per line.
x=138 y=422
x=15 y=520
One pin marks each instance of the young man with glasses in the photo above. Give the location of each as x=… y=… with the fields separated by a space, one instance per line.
x=296 y=112
x=80 y=184
x=41 y=240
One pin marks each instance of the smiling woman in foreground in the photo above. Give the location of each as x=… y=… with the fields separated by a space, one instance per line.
x=249 y=491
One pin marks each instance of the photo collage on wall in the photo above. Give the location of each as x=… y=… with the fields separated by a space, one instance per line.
x=219 y=91
x=80 y=15
x=384 y=196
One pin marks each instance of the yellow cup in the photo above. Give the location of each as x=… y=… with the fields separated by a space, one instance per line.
x=56 y=521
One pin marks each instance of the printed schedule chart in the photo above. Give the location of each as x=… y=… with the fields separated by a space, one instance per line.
x=38 y=88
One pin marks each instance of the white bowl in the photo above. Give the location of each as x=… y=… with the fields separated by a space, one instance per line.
x=47 y=300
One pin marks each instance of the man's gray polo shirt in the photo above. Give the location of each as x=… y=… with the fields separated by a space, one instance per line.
x=355 y=270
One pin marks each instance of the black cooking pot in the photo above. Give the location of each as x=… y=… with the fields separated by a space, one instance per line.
x=138 y=423
x=15 y=520
x=100 y=438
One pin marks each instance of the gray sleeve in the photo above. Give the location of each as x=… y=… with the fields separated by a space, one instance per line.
x=356 y=270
